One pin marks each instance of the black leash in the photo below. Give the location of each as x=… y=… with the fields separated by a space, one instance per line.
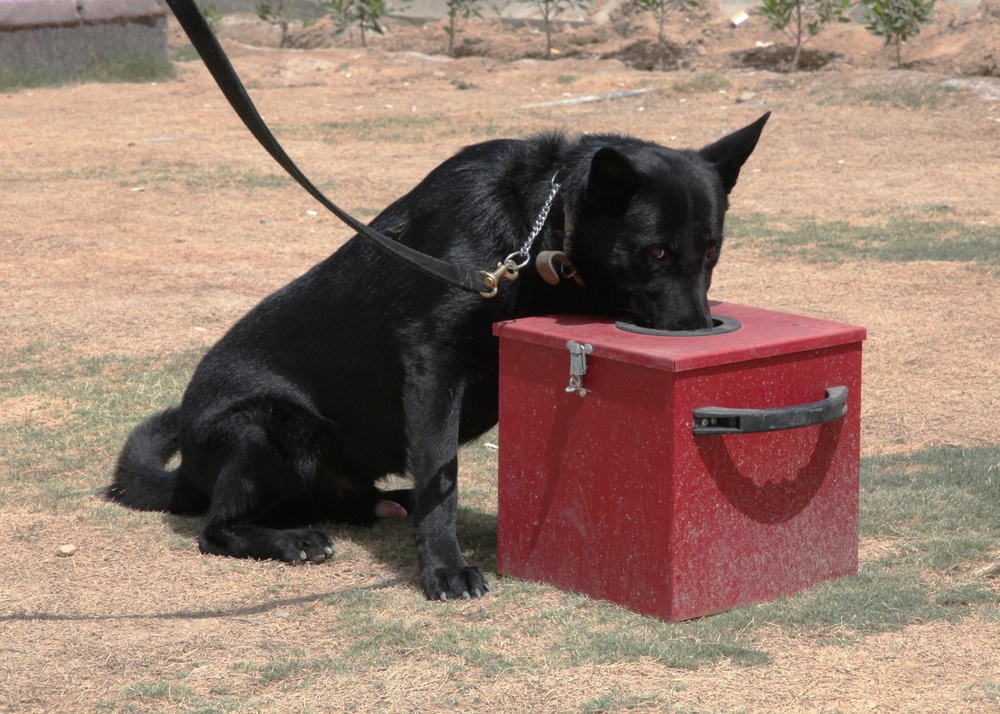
x=214 y=57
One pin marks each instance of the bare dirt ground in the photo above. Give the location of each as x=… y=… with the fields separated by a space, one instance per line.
x=141 y=220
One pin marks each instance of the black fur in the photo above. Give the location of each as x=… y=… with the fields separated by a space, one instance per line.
x=364 y=367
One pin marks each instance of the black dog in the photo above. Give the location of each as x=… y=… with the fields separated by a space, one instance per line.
x=364 y=367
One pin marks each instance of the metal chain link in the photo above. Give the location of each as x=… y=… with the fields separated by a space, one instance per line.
x=520 y=258
x=524 y=252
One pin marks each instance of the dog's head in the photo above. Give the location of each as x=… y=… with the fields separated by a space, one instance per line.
x=648 y=225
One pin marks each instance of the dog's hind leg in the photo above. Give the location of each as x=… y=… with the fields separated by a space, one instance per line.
x=273 y=464
x=247 y=540
x=234 y=526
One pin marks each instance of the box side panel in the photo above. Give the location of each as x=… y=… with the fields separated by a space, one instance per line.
x=761 y=515
x=584 y=487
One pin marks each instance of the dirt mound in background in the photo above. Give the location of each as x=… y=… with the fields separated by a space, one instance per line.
x=650 y=55
x=697 y=39
x=777 y=58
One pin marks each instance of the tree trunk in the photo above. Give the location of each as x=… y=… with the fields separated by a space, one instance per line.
x=546 y=18
x=798 y=39
x=661 y=40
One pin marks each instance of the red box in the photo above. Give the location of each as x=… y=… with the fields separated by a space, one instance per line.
x=613 y=494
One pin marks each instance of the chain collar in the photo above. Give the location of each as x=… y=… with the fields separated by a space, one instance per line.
x=521 y=258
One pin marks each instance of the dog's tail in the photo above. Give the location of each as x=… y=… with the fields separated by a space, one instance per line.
x=142 y=480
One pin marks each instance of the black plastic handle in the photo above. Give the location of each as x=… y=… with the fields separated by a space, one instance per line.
x=721 y=420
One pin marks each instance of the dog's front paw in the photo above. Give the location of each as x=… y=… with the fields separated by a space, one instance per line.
x=453 y=583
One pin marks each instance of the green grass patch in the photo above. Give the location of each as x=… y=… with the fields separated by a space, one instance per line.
x=408 y=127
x=702 y=83
x=612 y=635
x=491 y=130
x=941 y=503
x=399 y=128
x=932 y=234
x=990 y=692
x=199 y=176
x=165 y=694
x=617 y=700
x=184 y=53
x=112 y=68
x=178 y=174
x=289 y=666
x=82 y=410
x=161 y=689
x=521 y=628
x=366 y=211
x=920 y=97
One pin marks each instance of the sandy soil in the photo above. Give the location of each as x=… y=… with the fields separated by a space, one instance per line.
x=141 y=220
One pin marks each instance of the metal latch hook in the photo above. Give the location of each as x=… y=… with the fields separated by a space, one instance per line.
x=577 y=366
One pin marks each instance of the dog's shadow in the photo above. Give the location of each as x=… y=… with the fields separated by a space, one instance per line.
x=390 y=541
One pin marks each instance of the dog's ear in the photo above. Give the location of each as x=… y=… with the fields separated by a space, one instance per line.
x=612 y=182
x=729 y=153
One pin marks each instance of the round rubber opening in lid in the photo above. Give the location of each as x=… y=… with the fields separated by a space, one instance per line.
x=720 y=326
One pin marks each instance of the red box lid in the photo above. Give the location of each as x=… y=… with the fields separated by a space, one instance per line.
x=761 y=334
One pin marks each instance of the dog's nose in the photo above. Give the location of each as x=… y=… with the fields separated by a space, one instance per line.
x=700 y=322
x=688 y=325
x=672 y=314
x=693 y=320
x=676 y=324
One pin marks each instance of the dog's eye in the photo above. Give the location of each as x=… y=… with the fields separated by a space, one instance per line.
x=658 y=251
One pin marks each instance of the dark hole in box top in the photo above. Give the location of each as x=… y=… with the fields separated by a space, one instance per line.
x=720 y=326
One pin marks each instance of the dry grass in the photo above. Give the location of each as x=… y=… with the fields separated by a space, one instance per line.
x=112 y=293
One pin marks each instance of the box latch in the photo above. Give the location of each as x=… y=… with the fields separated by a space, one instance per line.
x=577 y=366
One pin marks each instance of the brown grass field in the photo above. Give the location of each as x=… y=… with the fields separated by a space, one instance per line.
x=138 y=221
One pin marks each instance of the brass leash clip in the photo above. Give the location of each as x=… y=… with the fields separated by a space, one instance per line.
x=508 y=270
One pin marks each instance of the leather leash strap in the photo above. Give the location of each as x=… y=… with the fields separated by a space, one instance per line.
x=214 y=57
